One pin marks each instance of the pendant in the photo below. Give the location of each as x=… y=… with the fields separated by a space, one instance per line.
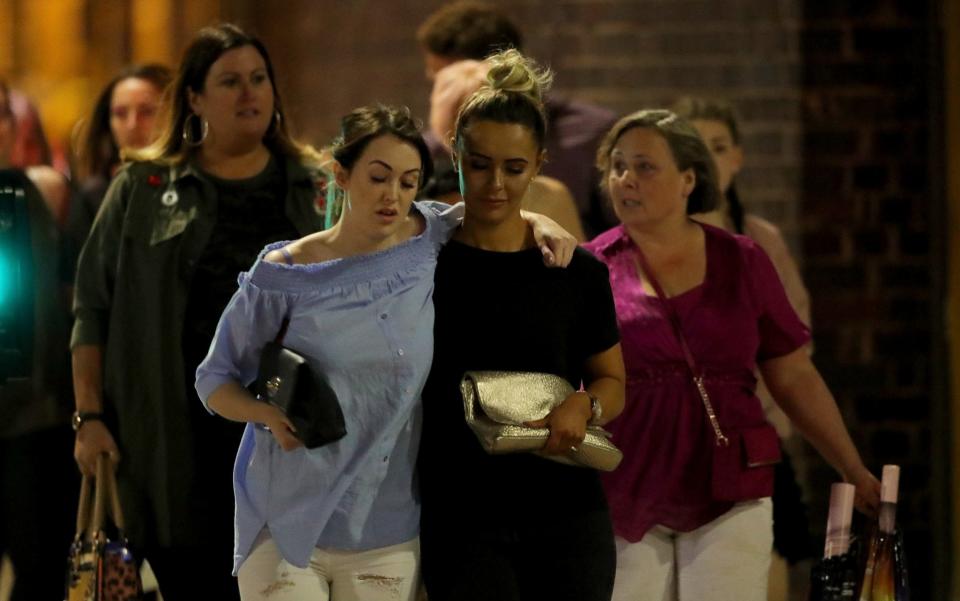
x=169 y=198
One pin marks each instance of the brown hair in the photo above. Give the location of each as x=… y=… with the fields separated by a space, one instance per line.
x=207 y=46
x=468 y=30
x=713 y=109
x=686 y=146
x=512 y=93
x=362 y=126
x=97 y=150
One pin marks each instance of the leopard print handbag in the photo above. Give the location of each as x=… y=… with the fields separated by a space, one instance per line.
x=100 y=569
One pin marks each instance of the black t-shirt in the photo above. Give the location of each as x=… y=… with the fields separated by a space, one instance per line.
x=251 y=213
x=506 y=311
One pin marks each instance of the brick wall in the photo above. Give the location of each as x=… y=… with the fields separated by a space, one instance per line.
x=865 y=215
x=624 y=54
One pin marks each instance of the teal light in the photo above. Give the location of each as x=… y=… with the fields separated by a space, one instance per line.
x=6 y=280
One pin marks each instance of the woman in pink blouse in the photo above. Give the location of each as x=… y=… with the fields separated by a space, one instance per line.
x=690 y=502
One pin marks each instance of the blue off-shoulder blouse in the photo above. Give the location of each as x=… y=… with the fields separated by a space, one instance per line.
x=366 y=323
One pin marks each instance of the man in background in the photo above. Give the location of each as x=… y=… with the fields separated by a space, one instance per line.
x=454 y=40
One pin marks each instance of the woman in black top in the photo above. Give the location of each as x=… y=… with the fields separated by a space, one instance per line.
x=514 y=526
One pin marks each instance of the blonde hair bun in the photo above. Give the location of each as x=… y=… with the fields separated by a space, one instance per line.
x=512 y=72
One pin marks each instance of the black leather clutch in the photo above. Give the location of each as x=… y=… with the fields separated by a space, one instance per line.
x=286 y=381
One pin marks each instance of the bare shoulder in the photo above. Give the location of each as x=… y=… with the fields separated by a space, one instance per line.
x=277 y=256
x=549 y=186
x=313 y=248
x=767 y=235
x=552 y=198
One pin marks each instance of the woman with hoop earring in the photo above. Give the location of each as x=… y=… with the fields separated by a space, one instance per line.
x=176 y=227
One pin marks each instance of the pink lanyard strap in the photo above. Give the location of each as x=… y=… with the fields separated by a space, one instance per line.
x=697 y=374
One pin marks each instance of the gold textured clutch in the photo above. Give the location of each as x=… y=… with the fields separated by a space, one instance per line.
x=497 y=403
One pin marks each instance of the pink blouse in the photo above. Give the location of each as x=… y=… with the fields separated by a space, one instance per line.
x=738 y=316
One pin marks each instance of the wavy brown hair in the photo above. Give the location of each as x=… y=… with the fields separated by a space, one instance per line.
x=97 y=150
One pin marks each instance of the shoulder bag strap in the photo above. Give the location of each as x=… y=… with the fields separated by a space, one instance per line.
x=288 y=258
x=283 y=331
x=695 y=371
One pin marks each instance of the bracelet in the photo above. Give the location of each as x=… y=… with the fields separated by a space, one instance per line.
x=596 y=409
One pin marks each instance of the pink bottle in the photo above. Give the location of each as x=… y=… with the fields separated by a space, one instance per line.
x=839 y=518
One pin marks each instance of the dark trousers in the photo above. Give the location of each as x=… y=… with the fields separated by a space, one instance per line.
x=201 y=570
x=791 y=527
x=572 y=558
x=39 y=486
x=188 y=573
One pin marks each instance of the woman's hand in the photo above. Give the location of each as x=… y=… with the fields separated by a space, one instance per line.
x=567 y=423
x=556 y=243
x=281 y=427
x=93 y=438
x=234 y=402
x=867 y=499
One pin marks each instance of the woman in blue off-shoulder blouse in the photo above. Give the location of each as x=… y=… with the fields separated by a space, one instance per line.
x=341 y=521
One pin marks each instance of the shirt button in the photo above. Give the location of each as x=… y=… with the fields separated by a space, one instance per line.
x=400 y=352
x=383 y=316
x=385 y=457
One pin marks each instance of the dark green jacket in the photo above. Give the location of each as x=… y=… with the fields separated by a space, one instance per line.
x=131 y=294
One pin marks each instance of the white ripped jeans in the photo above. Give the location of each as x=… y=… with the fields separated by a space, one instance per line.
x=384 y=574
x=727 y=559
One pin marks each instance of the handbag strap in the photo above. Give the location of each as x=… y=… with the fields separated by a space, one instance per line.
x=695 y=371
x=288 y=258
x=111 y=484
x=105 y=499
x=283 y=331
x=99 y=499
x=83 y=509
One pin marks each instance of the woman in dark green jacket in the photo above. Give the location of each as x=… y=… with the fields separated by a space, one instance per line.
x=176 y=227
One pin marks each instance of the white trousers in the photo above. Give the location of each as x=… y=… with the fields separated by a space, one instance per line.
x=385 y=574
x=725 y=560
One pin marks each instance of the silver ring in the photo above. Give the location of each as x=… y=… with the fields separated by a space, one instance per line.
x=574 y=449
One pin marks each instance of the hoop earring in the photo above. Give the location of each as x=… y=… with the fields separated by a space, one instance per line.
x=275 y=123
x=204 y=130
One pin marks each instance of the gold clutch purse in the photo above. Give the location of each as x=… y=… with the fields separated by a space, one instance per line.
x=497 y=403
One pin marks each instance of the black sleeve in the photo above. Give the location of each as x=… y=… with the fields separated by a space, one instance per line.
x=598 y=320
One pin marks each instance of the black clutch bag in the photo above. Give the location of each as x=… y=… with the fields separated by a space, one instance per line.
x=286 y=381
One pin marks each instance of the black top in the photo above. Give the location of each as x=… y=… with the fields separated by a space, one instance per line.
x=506 y=311
x=250 y=215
